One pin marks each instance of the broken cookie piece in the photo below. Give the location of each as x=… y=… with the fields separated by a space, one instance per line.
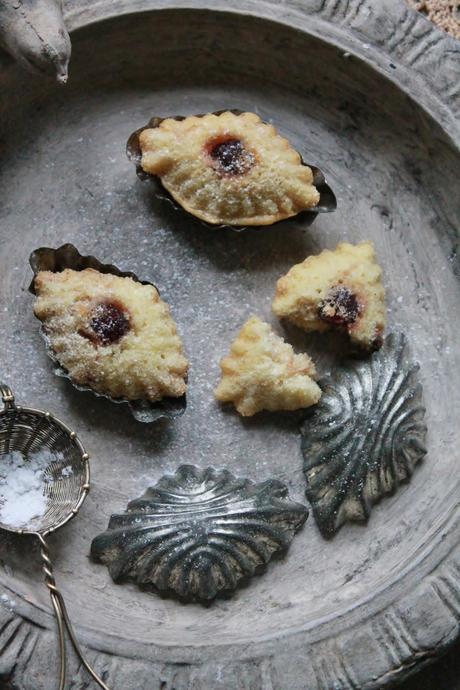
x=262 y=372
x=336 y=289
x=112 y=334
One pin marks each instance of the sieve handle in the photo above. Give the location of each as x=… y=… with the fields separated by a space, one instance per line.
x=63 y=620
x=7 y=396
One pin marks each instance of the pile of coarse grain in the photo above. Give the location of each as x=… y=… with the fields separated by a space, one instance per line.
x=445 y=14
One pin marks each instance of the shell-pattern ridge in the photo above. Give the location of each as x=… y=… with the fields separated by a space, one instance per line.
x=365 y=436
x=199 y=532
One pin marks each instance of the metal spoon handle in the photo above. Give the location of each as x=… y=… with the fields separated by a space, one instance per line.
x=62 y=655
x=63 y=620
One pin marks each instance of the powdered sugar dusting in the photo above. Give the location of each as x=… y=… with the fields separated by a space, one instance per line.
x=23 y=485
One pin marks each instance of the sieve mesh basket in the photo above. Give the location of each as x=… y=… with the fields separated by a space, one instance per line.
x=65 y=486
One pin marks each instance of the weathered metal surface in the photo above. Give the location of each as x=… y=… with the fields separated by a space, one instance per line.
x=369 y=92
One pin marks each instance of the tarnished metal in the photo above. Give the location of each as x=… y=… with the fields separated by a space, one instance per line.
x=199 y=532
x=365 y=436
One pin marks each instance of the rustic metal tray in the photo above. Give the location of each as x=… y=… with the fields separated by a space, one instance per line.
x=356 y=86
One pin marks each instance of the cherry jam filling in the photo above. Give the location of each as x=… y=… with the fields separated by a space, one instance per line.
x=229 y=157
x=340 y=307
x=109 y=322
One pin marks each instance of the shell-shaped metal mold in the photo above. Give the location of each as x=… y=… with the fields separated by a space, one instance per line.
x=327 y=201
x=68 y=256
x=365 y=436
x=199 y=532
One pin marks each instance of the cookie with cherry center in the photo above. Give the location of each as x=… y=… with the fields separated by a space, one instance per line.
x=227 y=168
x=112 y=334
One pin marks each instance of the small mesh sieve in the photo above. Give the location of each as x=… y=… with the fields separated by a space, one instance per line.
x=30 y=431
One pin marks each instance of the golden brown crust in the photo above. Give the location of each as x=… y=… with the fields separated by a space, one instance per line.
x=228 y=169
x=340 y=288
x=112 y=334
x=262 y=372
